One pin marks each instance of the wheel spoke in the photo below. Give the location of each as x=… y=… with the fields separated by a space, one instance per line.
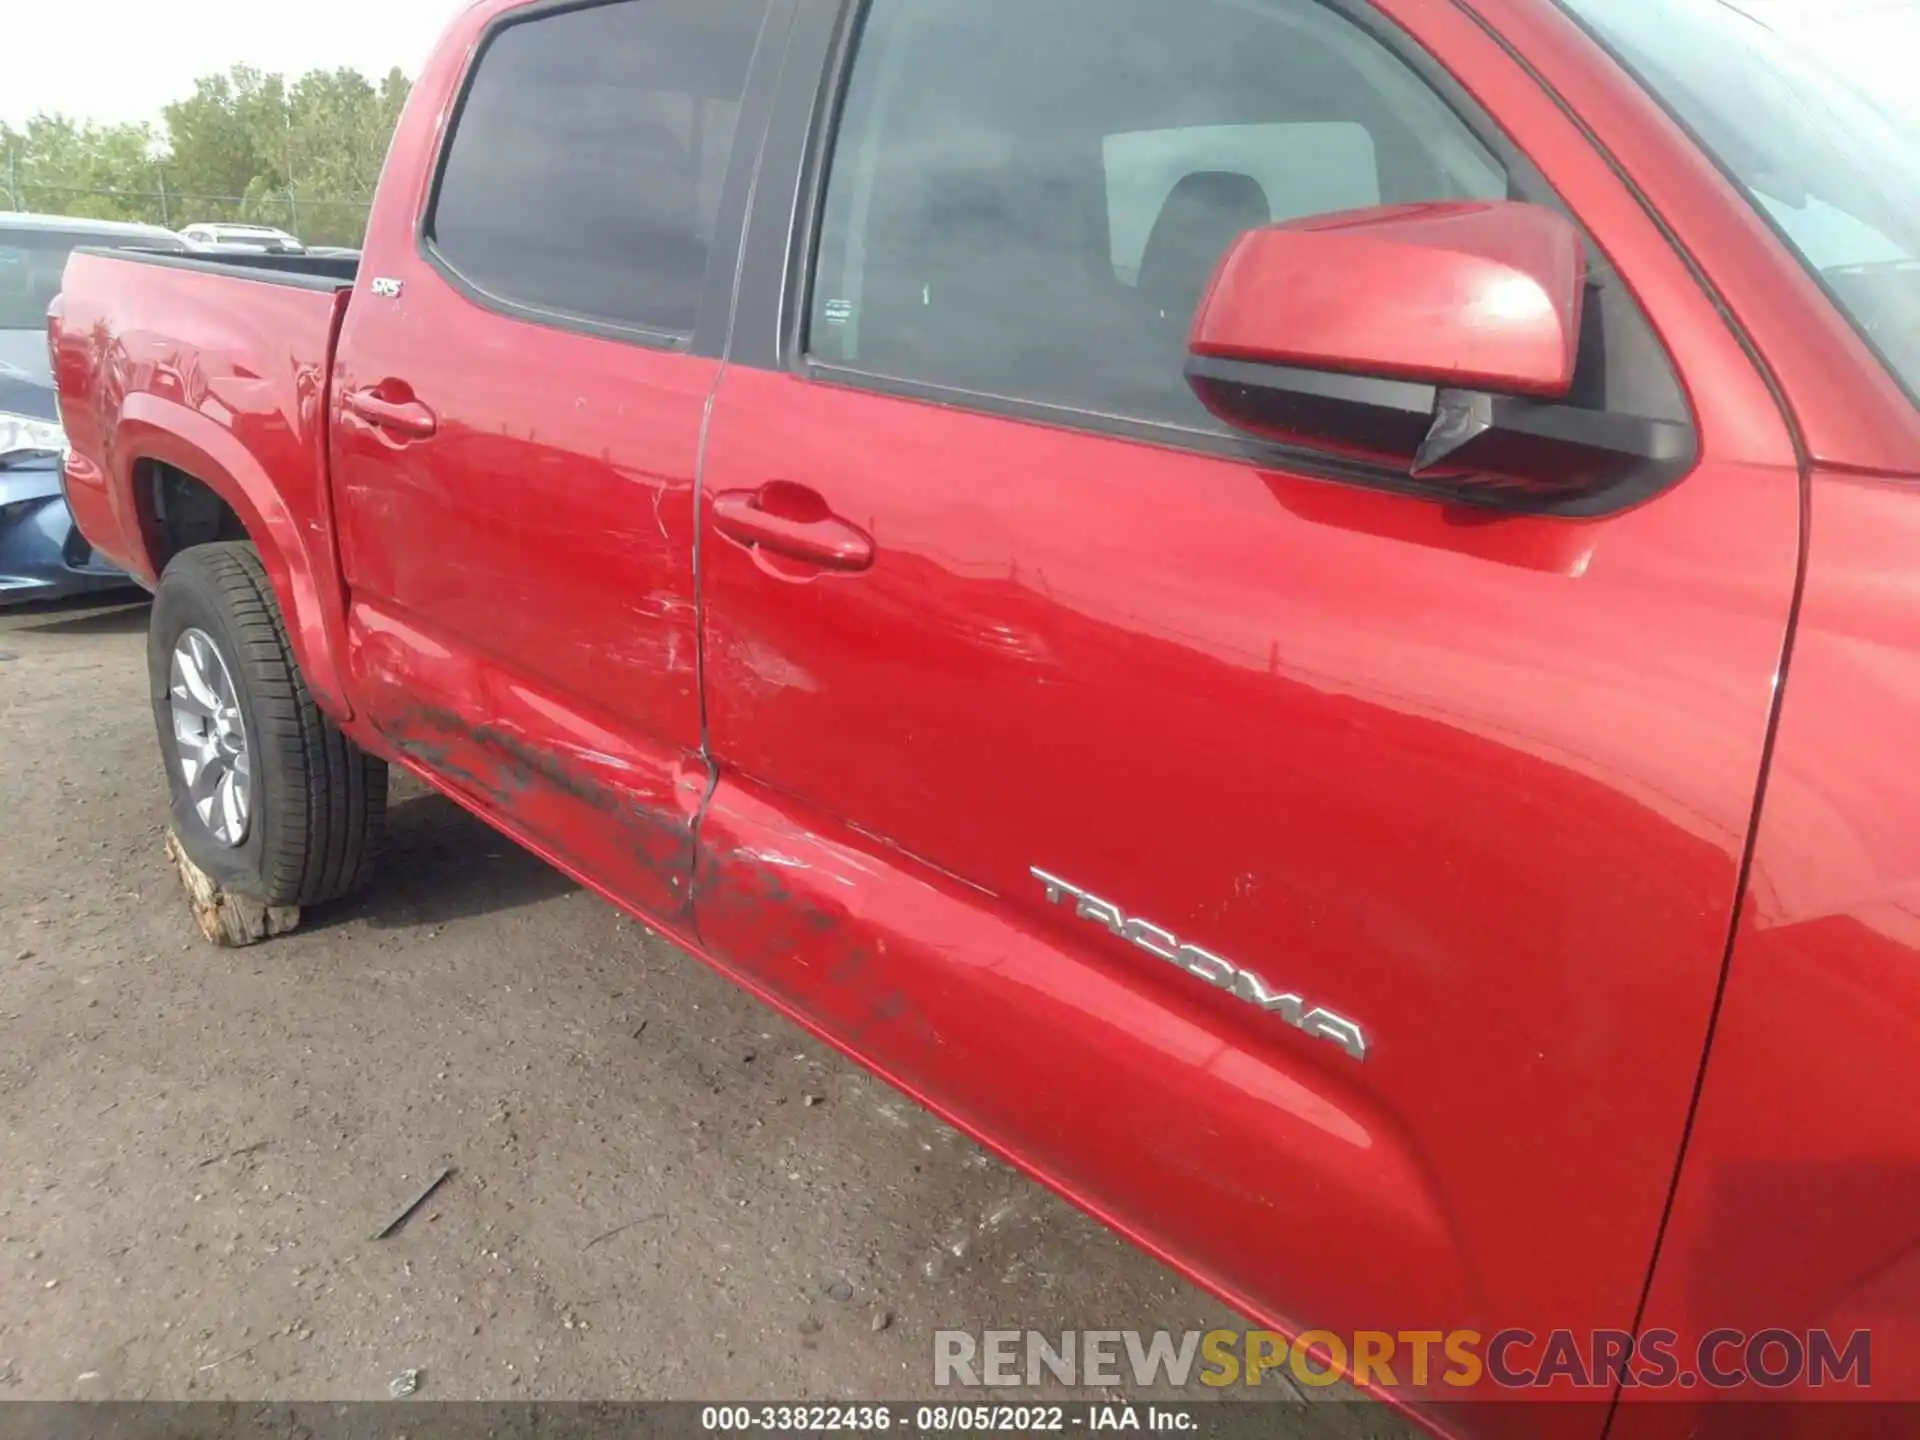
x=204 y=782
x=185 y=700
x=193 y=670
x=233 y=813
x=190 y=730
x=221 y=683
x=210 y=737
x=194 y=755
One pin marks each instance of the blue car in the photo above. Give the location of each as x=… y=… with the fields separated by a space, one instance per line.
x=42 y=555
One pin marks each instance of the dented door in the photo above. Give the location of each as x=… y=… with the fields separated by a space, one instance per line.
x=1325 y=887
x=522 y=387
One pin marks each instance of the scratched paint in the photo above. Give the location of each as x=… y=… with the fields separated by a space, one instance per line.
x=624 y=839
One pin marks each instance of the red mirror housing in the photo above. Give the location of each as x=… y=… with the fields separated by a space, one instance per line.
x=1437 y=348
x=1482 y=295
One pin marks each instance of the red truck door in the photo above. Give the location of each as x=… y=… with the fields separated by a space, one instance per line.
x=1024 y=675
x=520 y=395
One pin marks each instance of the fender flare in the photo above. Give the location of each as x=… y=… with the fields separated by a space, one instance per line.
x=152 y=427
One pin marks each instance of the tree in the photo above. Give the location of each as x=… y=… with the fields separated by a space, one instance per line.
x=229 y=133
x=339 y=126
x=70 y=168
x=245 y=145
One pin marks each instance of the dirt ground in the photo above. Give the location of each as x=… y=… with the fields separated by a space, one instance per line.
x=660 y=1189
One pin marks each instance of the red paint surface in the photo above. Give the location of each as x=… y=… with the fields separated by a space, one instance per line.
x=1800 y=1202
x=1482 y=784
x=225 y=380
x=1468 y=293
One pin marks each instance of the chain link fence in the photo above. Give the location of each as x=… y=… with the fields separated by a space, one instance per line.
x=315 y=220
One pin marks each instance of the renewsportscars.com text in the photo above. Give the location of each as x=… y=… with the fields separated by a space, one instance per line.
x=1420 y=1359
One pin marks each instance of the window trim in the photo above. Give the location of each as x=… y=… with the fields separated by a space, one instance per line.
x=821 y=113
x=725 y=244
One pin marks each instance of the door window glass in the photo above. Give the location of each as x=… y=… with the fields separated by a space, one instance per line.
x=584 y=172
x=1315 y=168
x=1027 y=198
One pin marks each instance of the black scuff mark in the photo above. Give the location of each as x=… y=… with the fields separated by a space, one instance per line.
x=860 y=992
x=660 y=841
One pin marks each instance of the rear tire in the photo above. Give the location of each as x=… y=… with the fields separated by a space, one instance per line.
x=268 y=797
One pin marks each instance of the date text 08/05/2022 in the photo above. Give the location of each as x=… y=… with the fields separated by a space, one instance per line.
x=939 y=1419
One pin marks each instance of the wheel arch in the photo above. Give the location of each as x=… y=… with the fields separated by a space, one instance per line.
x=190 y=482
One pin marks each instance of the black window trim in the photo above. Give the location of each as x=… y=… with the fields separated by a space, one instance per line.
x=812 y=102
x=723 y=255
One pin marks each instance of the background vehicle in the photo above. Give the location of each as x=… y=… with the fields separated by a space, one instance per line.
x=1204 y=586
x=42 y=555
x=250 y=237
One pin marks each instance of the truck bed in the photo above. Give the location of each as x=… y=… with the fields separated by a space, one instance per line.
x=313 y=272
x=216 y=368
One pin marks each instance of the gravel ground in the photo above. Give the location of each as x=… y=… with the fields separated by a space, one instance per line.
x=659 y=1189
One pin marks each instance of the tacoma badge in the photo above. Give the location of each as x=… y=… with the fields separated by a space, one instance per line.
x=1202 y=965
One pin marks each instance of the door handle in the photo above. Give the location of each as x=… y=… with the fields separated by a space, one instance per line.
x=791 y=520
x=403 y=417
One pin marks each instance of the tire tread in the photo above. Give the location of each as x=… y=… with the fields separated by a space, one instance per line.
x=334 y=808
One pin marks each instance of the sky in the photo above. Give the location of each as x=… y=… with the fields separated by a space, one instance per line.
x=140 y=54
x=1878 y=40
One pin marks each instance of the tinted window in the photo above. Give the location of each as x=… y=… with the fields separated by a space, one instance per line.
x=584 y=172
x=1028 y=197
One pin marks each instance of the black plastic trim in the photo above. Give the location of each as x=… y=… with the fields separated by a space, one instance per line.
x=1399 y=397
x=708 y=337
x=268 y=269
x=1477 y=448
x=333 y=267
x=779 y=242
x=713 y=329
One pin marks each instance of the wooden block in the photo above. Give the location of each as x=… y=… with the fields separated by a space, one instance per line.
x=226 y=918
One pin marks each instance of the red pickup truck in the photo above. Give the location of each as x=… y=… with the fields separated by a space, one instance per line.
x=1299 y=613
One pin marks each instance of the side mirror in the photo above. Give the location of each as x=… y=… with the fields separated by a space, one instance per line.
x=1438 y=339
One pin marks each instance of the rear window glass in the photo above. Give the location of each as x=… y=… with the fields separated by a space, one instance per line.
x=584 y=173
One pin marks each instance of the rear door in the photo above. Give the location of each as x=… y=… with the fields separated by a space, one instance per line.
x=1022 y=673
x=522 y=387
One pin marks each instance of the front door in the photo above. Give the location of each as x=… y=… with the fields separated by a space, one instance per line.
x=1325 y=886
x=521 y=400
